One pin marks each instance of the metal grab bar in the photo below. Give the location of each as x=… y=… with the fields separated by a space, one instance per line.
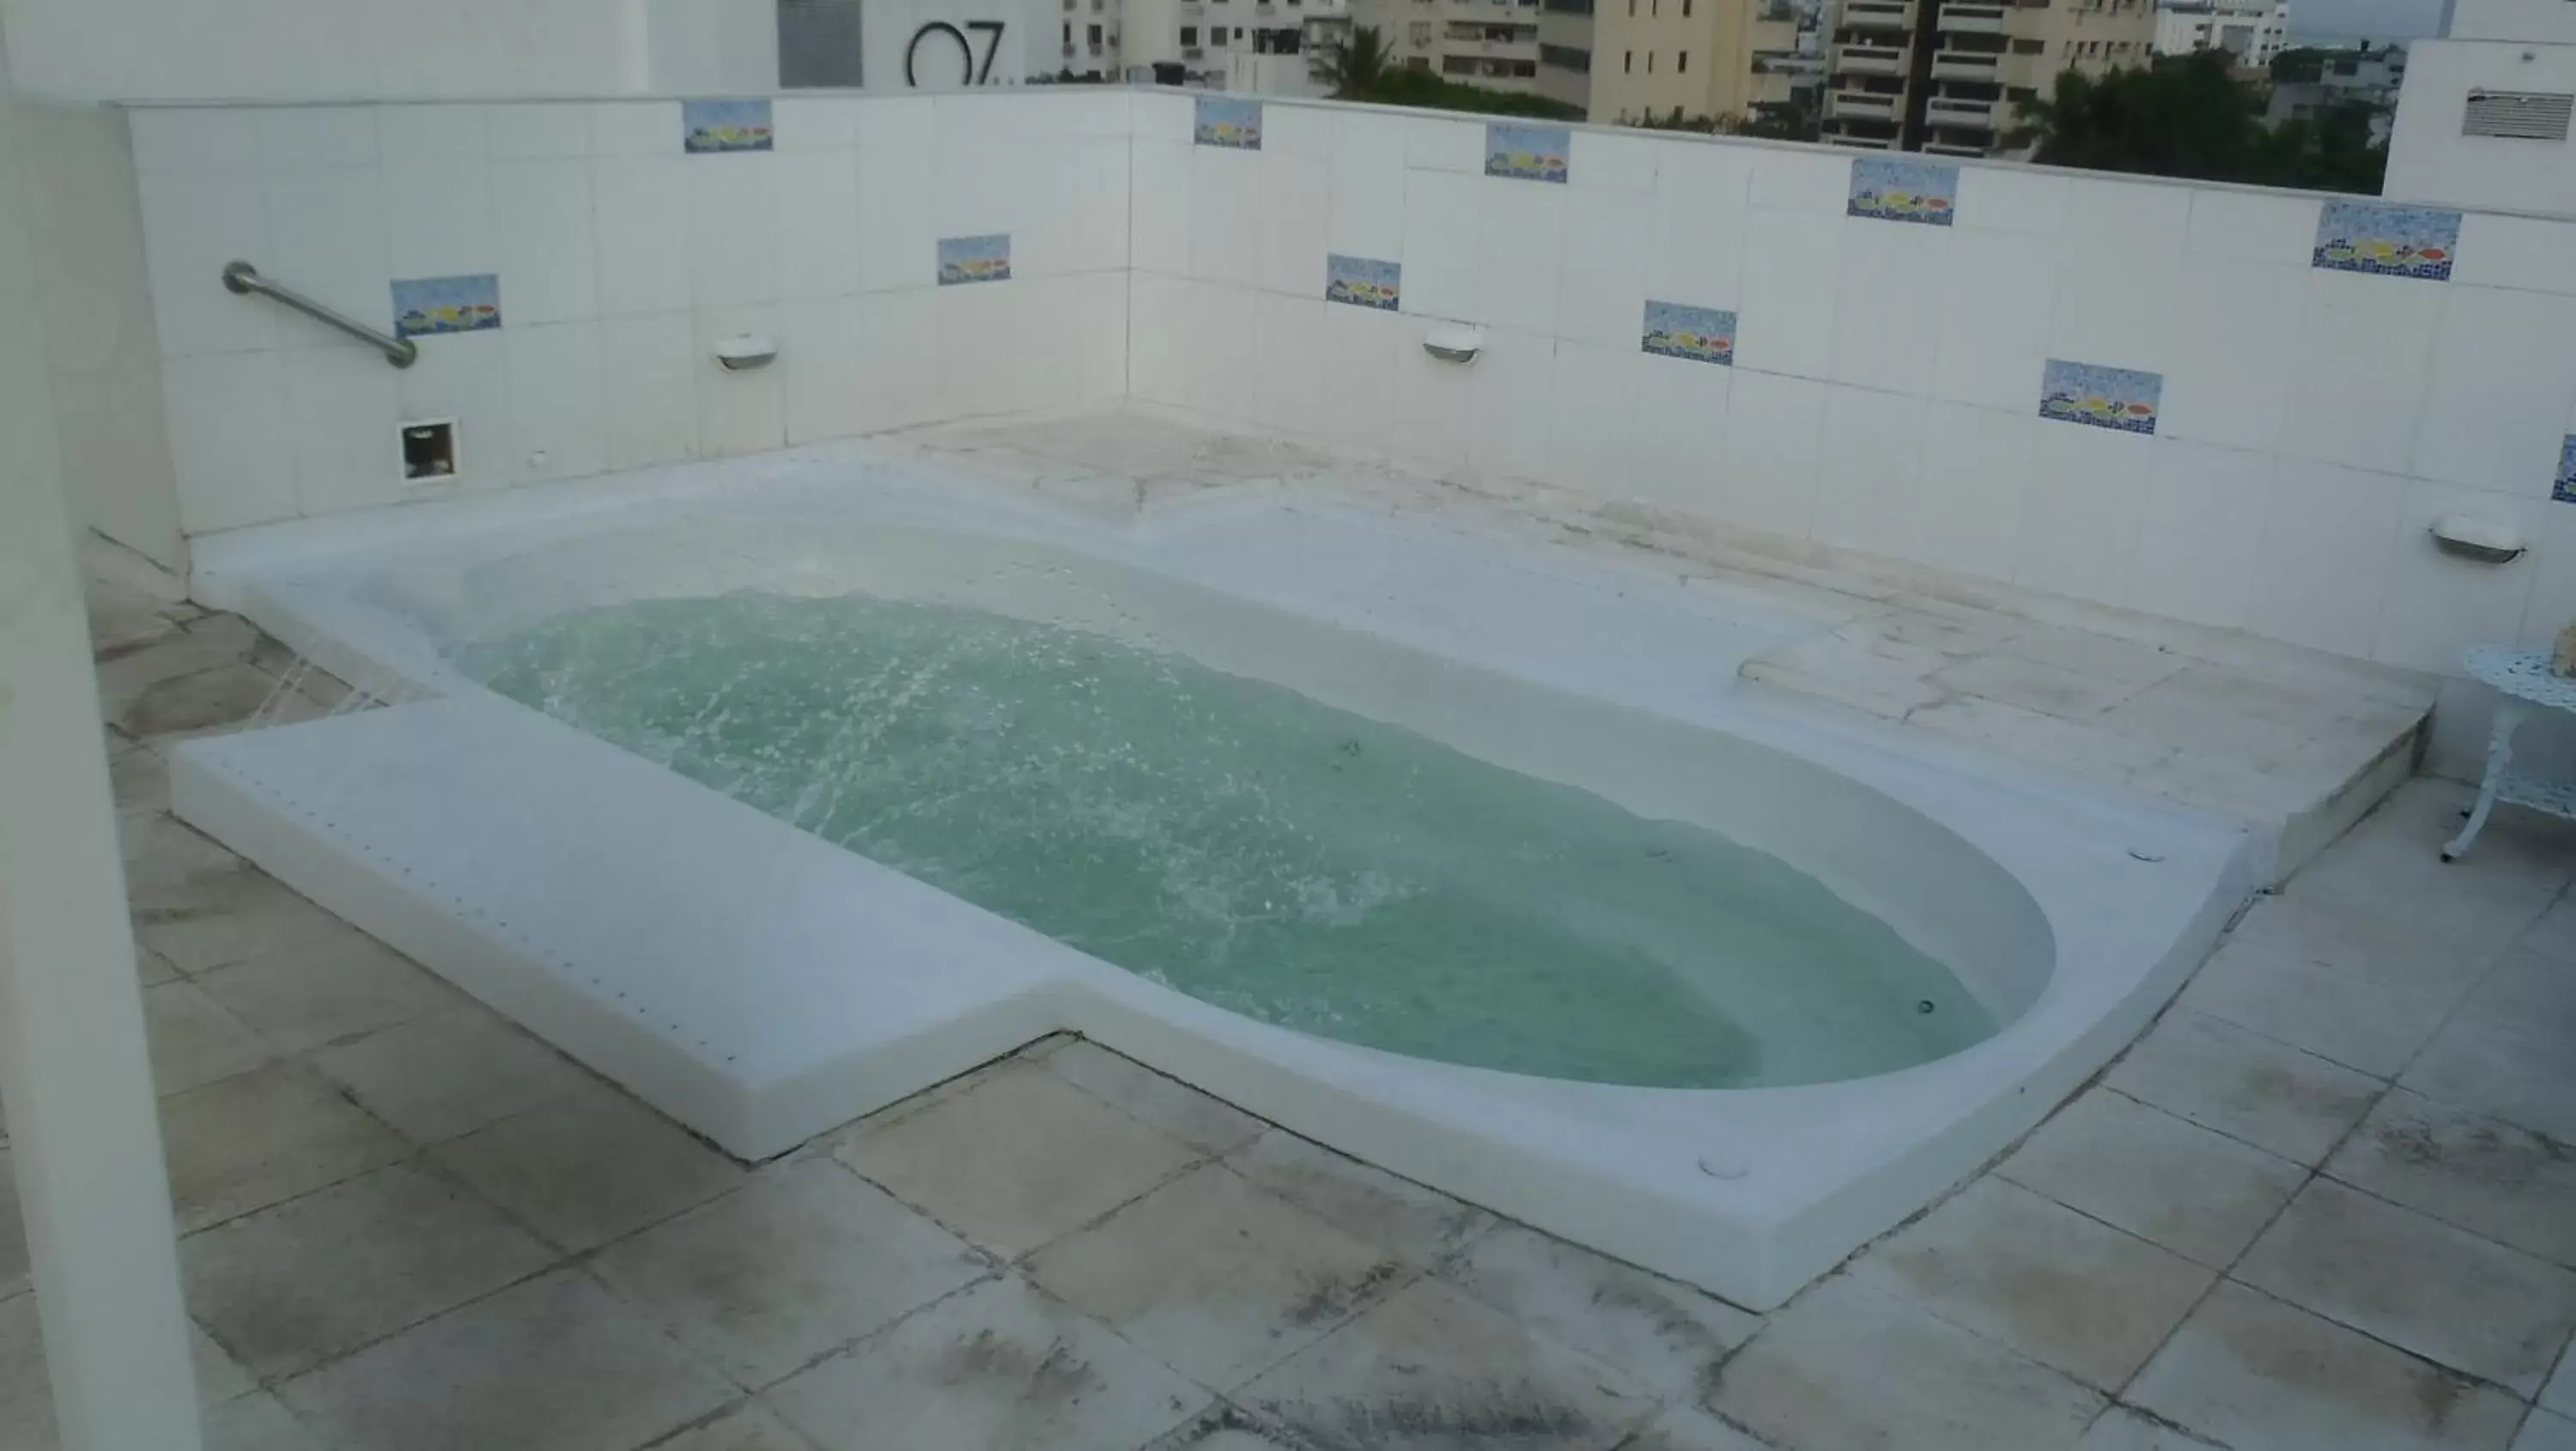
x=243 y=278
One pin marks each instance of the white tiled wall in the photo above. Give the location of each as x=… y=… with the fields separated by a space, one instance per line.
x=622 y=262
x=1885 y=391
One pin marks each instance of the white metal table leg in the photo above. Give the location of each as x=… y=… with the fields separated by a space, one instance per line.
x=2509 y=716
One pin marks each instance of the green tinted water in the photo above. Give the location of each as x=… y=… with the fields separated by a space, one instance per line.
x=1248 y=846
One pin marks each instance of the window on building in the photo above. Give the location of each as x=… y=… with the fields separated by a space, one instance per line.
x=1654 y=8
x=1681 y=63
x=1091 y=36
x=1686 y=4
x=1458 y=65
x=1189 y=35
x=2029 y=47
x=1628 y=59
x=1650 y=62
x=1566 y=57
x=1068 y=34
x=1525 y=68
x=1216 y=37
x=1419 y=32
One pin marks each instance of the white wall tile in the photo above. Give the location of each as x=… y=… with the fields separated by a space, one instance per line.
x=1161 y=116
x=2250 y=226
x=742 y=412
x=2200 y=533
x=1509 y=432
x=2503 y=381
x=1975 y=470
x=898 y=229
x=1158 y=209
x=2501 y=251
x=1696 y=255
x=1442 y=221
x=344 y=417
x=815 y=123
x=2012 y=199
x=1289 y=390
x=649 y=391
x=1225 y=352
x=635 y=128
x=1360 y=349
x=2116 y=306
x=1225 y=215
x=438 y=219
x=2439 y=604
x=1074 y=111
x=898 y=347
x=1295 y=205
x=1681 y=423
x=1804 y=179
x=1069 y=211
x=967 y=118
x=818 y=225
x=536 y=130
x=1600 y=287
x=821 y=342
x=1995 y=311
x=1591 y=420
x=1046 y=340
x=2328 y=535
x=1436 y=402
x=231 y=439
x=1519 y=243
x=1368 y=187
x=733 y=237
x=1868 y=469
x=558 y=416
x=1288 y=130
x=1437 y=143
x=1158 y=336
x=2552 y=606
x=327 y=232
x=1774 y=427
x=2235 y=339
x=2357 y=381
x=970 y=188
x=1785 y=323
x=193 y=224
x=1888 y=305
x=2104 y=216
x=410 y=135
x=464 y=377
x=294 y=138
x=193 y=140
x=889 y=126
x=641 y=233
x=2080 y=510
x=977 y=324
x=1603 y=161
x=549 y=268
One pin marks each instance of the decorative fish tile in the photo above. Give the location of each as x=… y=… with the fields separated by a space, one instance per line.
x=2088 y=393
x=975 y=259
x=1228 y=121
x=1529 y=153
x=427 y=306
x=2391 y=241
x=1894 y=189
x=1700 y=334
x=1361 y=281
x=708 y=127
x=2563 y=489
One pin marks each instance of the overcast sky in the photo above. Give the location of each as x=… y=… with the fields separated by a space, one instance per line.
x=2392 y=19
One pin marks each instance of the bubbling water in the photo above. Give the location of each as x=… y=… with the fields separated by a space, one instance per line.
x=1249 y=846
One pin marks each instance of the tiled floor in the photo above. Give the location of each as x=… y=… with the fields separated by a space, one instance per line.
x=2328 y=1201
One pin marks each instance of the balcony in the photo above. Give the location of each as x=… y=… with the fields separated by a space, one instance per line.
x=1861 y=143
x=1952 y=111
x=1949 y=148
x=1973 y=19
x=1861 y=105
x=1878 y=15
x=1867 y=60
x=1967 y=65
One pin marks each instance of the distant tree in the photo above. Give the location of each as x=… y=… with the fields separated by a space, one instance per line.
x=2187 y=116
x=1799 y=118
x=2297 y=64
x=1357 y=66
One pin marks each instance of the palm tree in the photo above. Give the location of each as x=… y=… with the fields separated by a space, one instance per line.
x=1354 y=68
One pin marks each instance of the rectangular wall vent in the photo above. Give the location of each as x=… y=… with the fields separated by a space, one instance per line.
x=2527 y=115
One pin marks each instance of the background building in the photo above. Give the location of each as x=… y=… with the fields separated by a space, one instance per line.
x=2482 y=120
x=1195 y=42
x=1944 y=76
x=1489 y=43
x=2253 y=31
x=1632 y=60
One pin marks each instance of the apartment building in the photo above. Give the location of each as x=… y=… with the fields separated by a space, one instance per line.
x=2253 y=31
x=1627 y=60
x=1193 y=42
x=1947 y=76
x=1489 y=43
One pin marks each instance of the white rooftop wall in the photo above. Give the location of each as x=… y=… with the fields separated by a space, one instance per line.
x=2429 y=160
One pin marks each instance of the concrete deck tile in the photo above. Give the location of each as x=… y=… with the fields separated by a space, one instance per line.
x=1421 y=1225
x=2546 y=1431
x=262 y=1137
x=589 y=1169
x=328 y=988
x=2242 y=1084
x=2198 y=1193
x=193 y=1039
x=799 y=1262
x=446 y=1074
x=1206 y=1123
x=2375 y=1027
x=748 y=1427
x=1663 y=1332
x=2503 y=1070
x=2481 y=1174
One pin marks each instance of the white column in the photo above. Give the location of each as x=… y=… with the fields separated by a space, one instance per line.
x=82 y=1132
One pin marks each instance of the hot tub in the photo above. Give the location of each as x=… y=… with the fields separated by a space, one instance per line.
x=1472 y=860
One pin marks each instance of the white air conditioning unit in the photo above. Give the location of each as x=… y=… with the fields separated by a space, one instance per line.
x=2522 y=115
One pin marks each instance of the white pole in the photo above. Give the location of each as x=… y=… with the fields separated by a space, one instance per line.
x=82 y=1132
